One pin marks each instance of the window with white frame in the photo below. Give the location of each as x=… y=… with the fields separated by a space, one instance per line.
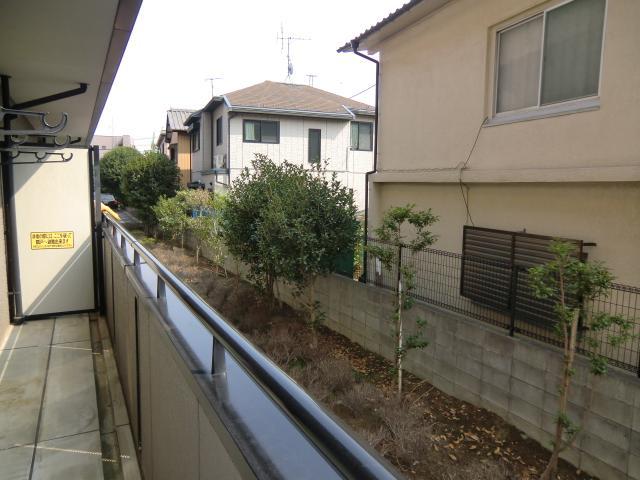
x=550 y=58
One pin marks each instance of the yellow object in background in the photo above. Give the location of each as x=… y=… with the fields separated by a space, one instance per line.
x=104 y=208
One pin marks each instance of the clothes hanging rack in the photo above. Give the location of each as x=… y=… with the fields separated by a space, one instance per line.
x=59 y=141
x=41 y=156
x=45 y=128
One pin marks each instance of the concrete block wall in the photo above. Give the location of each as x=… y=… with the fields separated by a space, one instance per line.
x=515 y=377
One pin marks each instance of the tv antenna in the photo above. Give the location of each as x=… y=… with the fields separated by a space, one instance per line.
x=288 y=38
x=311 y=78
x=211 y=80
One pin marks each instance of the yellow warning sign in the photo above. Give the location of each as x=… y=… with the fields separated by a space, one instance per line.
x=51 y=240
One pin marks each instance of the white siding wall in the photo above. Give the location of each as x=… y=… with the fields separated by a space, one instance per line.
x=349 y=165
x=208 y=141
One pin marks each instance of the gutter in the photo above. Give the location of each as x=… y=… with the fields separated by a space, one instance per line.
x=354 y=46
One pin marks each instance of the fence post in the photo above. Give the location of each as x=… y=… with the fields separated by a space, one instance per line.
x=512 y=300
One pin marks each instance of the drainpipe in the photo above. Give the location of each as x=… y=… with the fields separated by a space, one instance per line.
x=354 y=46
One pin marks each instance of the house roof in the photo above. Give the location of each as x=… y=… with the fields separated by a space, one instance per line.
x=176 y=118
x=293 y=98
x=278 y=98
x=404 y=16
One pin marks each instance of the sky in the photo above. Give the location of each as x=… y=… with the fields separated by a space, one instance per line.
x=176 y=45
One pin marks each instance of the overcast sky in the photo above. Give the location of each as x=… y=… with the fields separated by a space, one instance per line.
x=176 y=45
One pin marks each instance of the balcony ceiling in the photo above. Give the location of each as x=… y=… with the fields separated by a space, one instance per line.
x=52 y=46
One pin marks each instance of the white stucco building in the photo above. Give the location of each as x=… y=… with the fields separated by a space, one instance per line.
x=297 y=123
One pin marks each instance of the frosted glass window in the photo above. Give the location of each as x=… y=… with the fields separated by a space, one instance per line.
x=519 y=66
x=569 y=40
x=572 y=48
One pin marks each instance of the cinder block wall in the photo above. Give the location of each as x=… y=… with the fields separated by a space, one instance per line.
x=515 y=377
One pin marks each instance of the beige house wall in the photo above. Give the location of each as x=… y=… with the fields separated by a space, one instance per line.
x=184 y=157
x=574 y=175
x=607 y=214
x=437 y=77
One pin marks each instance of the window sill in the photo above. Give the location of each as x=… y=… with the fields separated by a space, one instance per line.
x=211 y=171
x=565 y=108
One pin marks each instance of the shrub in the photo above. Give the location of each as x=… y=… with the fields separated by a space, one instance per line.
x=288 y=223
x=112 y=167
x=171 y=215
x=147 y=178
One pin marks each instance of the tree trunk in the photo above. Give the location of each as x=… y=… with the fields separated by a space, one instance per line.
x=312 y=315
x=570 y=334
x=197 y=254
x=399 y=352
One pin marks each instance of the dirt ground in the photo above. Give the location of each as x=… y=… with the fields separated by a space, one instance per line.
x=426 y=435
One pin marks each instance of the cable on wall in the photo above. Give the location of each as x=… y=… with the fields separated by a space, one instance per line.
x=464 y=188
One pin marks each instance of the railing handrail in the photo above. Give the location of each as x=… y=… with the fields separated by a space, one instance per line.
x=348 y=454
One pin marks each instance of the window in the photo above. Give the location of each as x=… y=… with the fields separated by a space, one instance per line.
x=172 y=154
x=550 y=58
x=261 y=131
x=314 y=145
x=195 y=138
x=361 y=136
x=219 y=131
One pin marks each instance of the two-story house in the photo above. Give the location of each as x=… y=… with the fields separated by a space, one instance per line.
x=176 y=142
x=297 y=123
x=518 y=115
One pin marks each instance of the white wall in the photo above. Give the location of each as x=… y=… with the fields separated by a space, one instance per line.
x=349 y=165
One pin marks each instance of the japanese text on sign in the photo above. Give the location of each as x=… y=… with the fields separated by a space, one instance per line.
x=51 y=240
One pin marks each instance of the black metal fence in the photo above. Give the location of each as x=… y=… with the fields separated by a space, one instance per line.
x=498 y=293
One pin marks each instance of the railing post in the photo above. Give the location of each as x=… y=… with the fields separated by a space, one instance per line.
x=161 y=289
x=512 y=300
x=218 y=366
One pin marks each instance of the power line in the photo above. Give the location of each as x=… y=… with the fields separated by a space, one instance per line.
x=365 y=90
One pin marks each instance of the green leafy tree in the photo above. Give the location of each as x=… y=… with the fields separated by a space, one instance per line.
x=398 y=223
x=571 y=283
x=204 y=224
x=172 y=218
x=112 y=167
x=288 y=223
x=147 y=178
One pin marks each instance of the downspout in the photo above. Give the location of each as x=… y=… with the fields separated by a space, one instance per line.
x=354 y=46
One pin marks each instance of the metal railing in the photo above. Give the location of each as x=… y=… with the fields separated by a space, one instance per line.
x=498 y=293
x=280 y=430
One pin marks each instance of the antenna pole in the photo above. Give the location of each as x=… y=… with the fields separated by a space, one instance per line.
x=289 y=39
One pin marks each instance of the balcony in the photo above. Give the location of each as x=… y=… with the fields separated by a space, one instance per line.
x=162 y=386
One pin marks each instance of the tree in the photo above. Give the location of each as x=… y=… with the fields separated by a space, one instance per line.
x=391 y=234
x=112 y=166
x=204 y=224
x=145 y=179
x=571 y=283
x=288 y=223
x=172 y=218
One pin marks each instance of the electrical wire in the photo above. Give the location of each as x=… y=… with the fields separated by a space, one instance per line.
x=365 y=90
x=464 y=186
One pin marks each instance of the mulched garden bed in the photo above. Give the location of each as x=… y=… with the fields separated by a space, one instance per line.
x=426 y=435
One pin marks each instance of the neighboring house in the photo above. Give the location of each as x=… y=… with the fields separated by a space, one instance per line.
x=297 y=123
x=175 y=142
x=515 y=115
x=106 y=143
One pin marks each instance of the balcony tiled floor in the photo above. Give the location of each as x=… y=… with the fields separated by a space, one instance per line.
x=61 y=410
